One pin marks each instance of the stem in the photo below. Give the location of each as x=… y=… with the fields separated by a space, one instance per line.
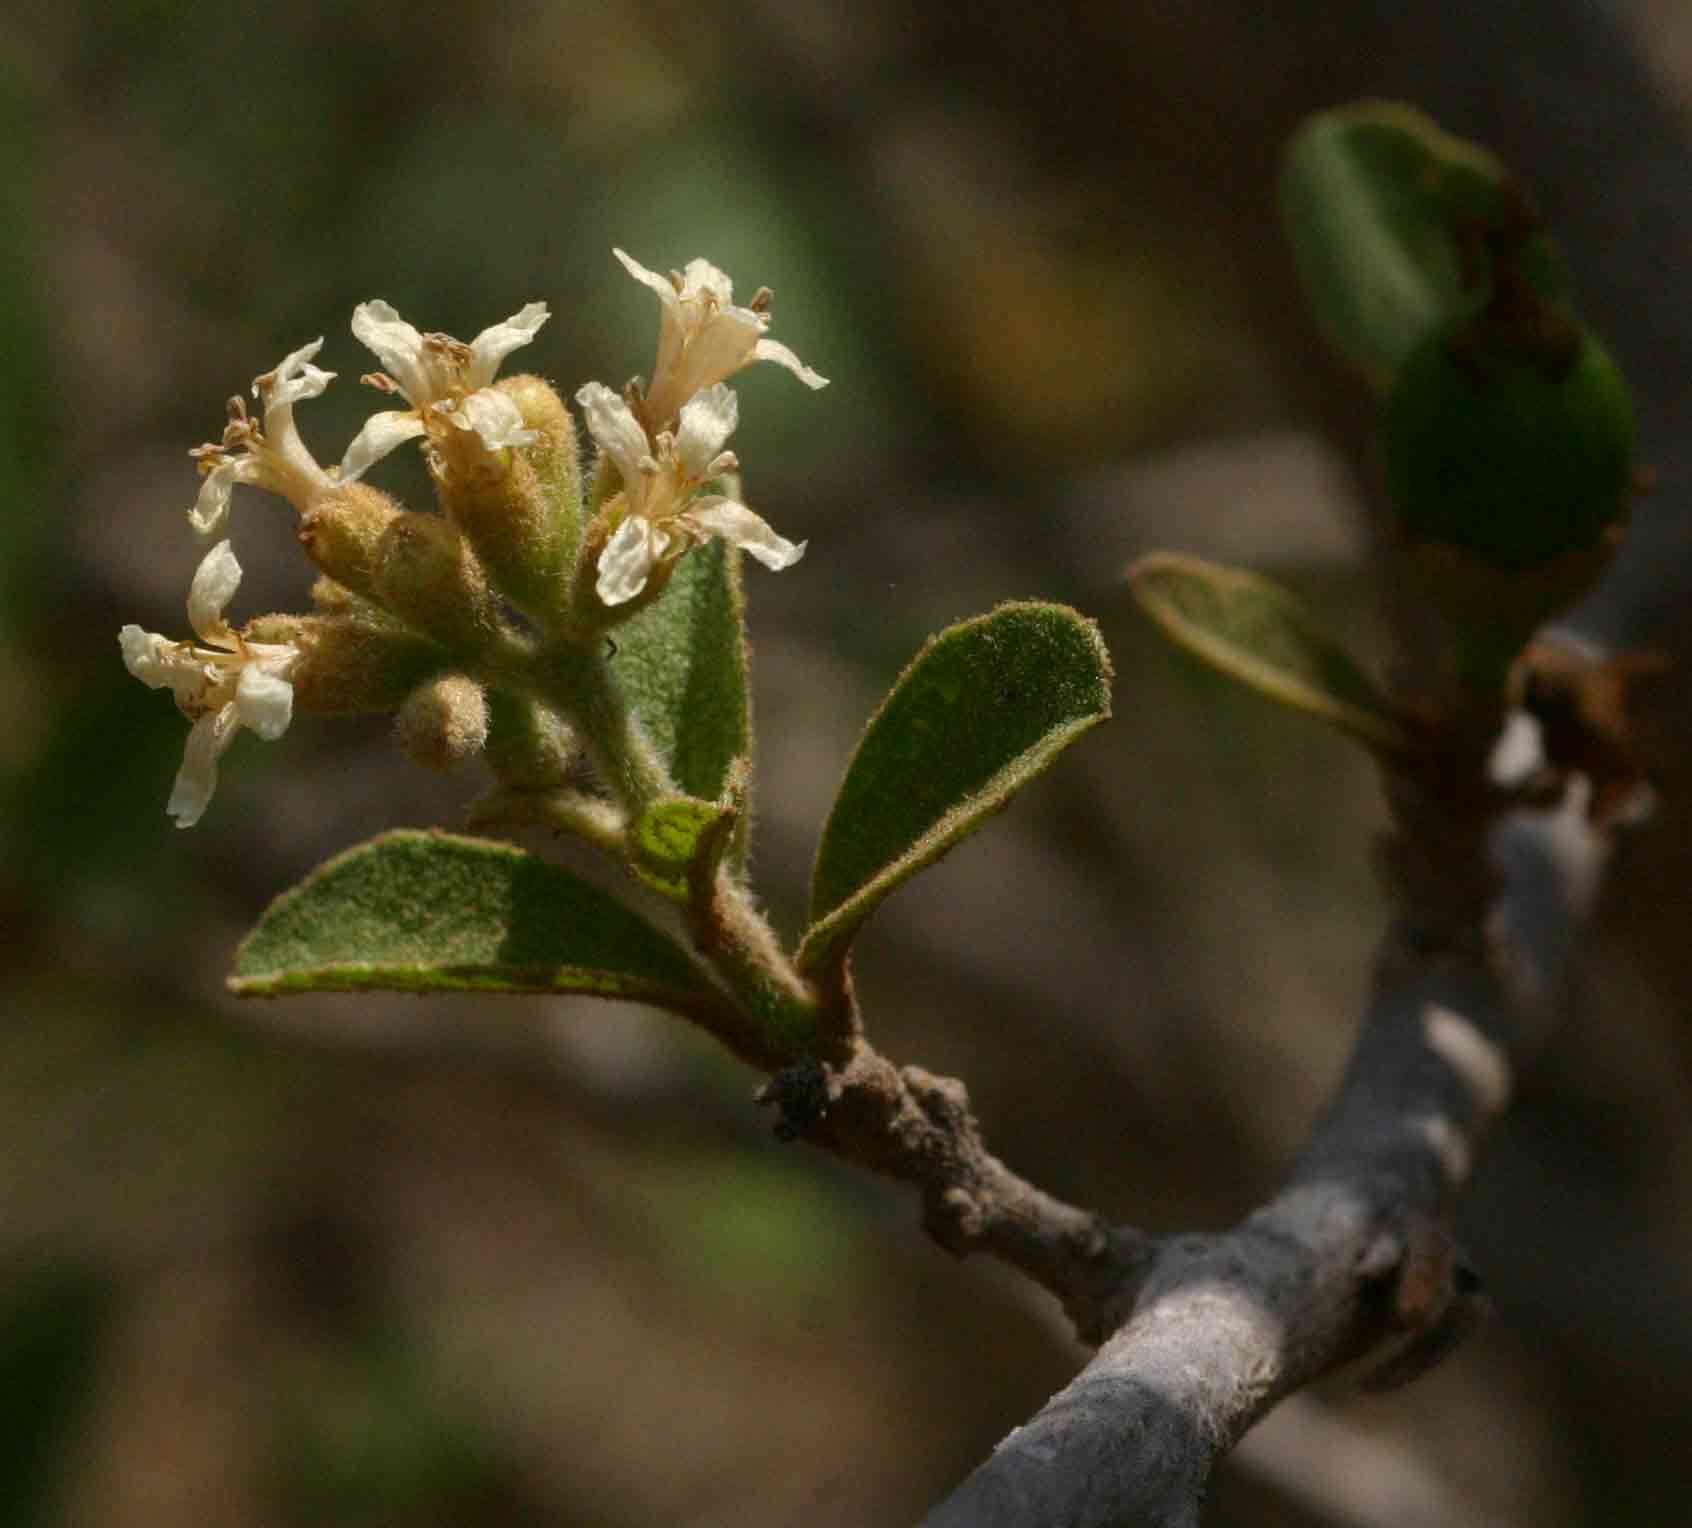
x=728 y=929
x=578 y=683
x=744 y=951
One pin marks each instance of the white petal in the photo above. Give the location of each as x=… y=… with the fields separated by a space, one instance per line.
x=494 y=344
x=161 y=664
x=707 y=420
x=397 y=345
x=495 y=417
x=293 y=379
x=628 y=559
x=197 y=778
x=773 y=350
x=211 y=507
x=615 y=429
x=700 y=277
x=738 y=526
x=215 y=582
x=721 y=347
x=659 y=284
x=145 y=655
x=381 y=433
x=264 y=701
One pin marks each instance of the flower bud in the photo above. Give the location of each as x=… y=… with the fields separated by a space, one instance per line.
x=343 y=531
x=443 y=722
x=522 y=510
x=427 y=575
x=348 y=665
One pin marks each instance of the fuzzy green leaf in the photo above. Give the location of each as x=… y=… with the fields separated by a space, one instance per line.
x=1388 y=217
x=682 y=664
x=983 y=708
x=670 y=835
x=435 y=912
x=1260 y=634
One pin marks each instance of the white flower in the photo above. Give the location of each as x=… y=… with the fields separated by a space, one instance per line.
x=703 y=338
x=273 y=456
x=221 y=687
x=664 y=515
x=443 y=379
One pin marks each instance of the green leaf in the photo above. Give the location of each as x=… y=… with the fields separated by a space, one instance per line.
x=682 y=664
x=1388 y=217
x=983 y=708
x=670 y=835
x=1263 y=636
x=434 y=912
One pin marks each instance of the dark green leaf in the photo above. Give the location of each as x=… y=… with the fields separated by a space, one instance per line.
x=1388 y=217
x=985 y=707
x=682 y=664
x=434 y=912
x=1263 y=636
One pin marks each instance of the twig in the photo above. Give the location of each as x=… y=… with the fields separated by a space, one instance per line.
x=1354 y=1257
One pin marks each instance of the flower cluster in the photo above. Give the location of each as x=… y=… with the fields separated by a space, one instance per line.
x=672 y=490
x=703 y=339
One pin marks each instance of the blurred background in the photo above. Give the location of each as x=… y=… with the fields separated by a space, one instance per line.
x=352 y=1261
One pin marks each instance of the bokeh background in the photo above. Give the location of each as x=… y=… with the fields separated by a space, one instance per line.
x=351 y=1261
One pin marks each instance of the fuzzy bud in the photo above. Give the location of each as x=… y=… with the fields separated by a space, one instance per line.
x=348 y=665
x=427 y=575
x=443 y=722
x=522 y=513
x=342 y=533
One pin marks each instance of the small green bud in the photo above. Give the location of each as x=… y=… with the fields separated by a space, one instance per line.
x=1518 y=456
x=427 y=574
x=348 y=665
x=443 y=722
x=521 y=510
x=342 y=533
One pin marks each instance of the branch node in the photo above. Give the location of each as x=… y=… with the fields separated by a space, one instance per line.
x=1436 y=1301
x=800 y=1095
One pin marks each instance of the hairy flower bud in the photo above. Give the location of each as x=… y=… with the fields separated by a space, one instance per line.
x=343 y=532
x=443 y=722
x=522 y=511
x=349 y=664
x=427 y=574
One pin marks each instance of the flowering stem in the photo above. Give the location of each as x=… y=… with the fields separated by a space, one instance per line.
x=578 y=682
x=728 y=930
